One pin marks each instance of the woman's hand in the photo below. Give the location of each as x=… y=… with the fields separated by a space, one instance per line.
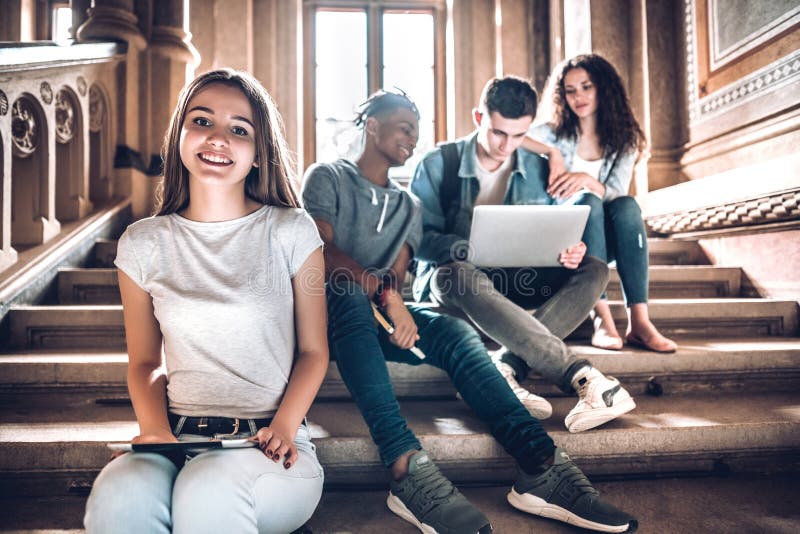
x=405 y=329
x=557 y=167
x=573 y=256
x=569 y=183
x=276 y=444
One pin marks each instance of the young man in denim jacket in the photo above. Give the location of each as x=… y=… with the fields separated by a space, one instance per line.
x=493 y=169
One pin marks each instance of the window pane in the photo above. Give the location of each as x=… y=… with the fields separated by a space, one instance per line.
x=408 y=55
x=577 y=28
x=408 y=39
x=62 y=22
x=341 y=79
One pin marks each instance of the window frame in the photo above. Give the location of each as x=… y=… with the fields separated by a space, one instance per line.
x=374 y=10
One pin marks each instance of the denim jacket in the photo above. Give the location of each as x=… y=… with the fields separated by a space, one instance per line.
x=526 y=185
x=615 y=173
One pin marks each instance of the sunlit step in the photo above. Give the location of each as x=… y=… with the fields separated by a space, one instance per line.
x=686 y=433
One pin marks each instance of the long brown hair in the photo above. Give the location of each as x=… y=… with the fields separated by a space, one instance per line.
x=617 y=128
x=272 y=182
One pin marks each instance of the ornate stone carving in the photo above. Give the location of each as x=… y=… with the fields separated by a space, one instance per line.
x=24 y=130
x=691 y=65
x=773 y=208
x=47 y=92
x=97 y=109
x=81 y=83
x=784 y=72
x=3 y=103
x=65 y=117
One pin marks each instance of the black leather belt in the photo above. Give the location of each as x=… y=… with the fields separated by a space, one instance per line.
x=220 y=426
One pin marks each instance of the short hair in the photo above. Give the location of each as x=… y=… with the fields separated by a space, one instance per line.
x=512 y=97
x=384 y=102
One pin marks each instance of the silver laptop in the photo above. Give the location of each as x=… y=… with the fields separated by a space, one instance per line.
x=524 y=236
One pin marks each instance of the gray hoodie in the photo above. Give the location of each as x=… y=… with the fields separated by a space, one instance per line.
x=370 y=223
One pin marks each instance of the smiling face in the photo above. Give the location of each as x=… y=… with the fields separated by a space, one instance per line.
x=580 y=93
x=499 y=136
x=395 y=135
x=217 y=142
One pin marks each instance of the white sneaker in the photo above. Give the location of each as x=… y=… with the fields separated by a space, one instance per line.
x=537 y=406
x=601 y=399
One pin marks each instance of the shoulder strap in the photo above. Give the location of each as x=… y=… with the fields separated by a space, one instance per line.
x=451 y=184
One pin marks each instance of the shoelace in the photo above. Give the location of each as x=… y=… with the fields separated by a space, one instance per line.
x=434 y=485
x=576 y=478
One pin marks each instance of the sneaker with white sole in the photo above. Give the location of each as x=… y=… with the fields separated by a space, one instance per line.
x=600 y=399
x=537 y=406
x=427 y=500
x=564 y=493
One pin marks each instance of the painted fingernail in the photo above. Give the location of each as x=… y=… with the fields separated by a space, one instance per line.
x=269 y=452
x=276 y=457
x=287 y=465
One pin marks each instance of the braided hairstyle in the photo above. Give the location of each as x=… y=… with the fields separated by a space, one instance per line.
x=617 y=128
x=382 y=103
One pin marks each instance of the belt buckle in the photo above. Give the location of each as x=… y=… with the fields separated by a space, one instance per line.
x=235 y=430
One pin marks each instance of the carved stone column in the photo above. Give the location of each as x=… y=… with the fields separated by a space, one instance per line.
x=8 y=255
x=475 y=35
x=172 y=60
x=116 y=20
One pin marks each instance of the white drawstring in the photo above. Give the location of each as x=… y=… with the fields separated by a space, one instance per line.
x=374 y=198
x=383 y=211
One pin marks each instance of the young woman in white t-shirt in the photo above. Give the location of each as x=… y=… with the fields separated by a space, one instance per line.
x=593 y=141
x=225 y=321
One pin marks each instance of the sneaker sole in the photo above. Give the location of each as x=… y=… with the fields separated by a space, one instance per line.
x=594 y=418
x=538 y=409
x=398 y=507
x=538 y=506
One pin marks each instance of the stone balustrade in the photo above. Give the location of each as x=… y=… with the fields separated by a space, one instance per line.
x=58 y=132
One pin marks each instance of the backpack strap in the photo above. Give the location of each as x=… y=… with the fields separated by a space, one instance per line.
x=450 y=190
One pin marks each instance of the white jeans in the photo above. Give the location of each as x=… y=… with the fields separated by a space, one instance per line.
x=233 y=490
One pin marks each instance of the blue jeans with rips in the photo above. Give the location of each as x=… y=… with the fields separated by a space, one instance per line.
x=615 y=232
x=361 y=351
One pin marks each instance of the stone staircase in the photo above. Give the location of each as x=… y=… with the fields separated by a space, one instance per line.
x=725 y=408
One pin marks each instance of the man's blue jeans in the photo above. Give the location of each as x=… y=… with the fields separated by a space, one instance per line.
x=361 y=351
x=615 y=231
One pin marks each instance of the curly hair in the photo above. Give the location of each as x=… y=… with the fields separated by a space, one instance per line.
x=617 y=128
x=272 y=182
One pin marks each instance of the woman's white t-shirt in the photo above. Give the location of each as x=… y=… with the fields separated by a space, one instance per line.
x=222 y=295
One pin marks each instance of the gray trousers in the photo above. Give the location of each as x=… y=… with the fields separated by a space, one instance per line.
x=495 y=300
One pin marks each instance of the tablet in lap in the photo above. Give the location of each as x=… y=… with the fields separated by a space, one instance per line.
x=184 y=446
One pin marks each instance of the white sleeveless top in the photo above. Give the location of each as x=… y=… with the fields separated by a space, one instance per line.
x=592 y=168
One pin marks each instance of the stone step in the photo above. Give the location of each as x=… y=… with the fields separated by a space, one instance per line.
x=675 y=282
x=670 y=252
x=105 y=250
x=757 y=364
x=43 y=454
x=99 y=286
x=88 y=286
x=100 y=327
x=736 y=503
x=65 y=327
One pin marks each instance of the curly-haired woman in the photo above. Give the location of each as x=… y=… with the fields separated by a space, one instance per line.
x=587 y=129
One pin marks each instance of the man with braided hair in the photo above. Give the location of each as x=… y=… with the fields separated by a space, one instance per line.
x=371 y=229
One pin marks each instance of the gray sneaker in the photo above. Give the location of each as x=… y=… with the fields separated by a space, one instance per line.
x=425 y=498
x=564 y=493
